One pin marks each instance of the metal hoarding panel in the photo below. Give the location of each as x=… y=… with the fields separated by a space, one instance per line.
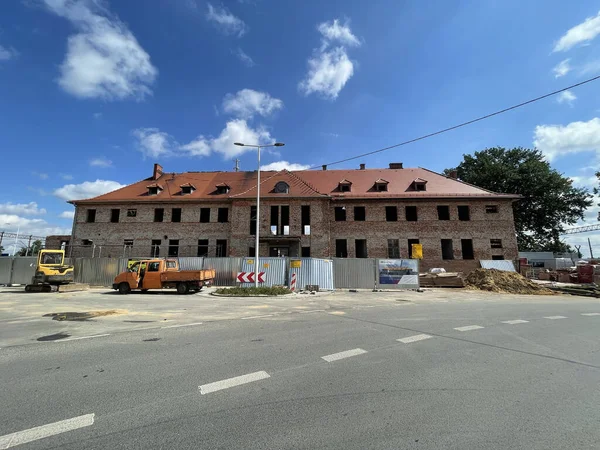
x=98 y=271
x=23 y=269
x=313 y=271
x=500 y=264
x=6 y=263
x=274 y=269
x=397 y=274
x=191 y=263
x=226 y=269
x=354 y=273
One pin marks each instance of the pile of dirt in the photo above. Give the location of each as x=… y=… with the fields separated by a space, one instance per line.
x=494 y=280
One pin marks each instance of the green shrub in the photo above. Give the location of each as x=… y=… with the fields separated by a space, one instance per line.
x=251 y=291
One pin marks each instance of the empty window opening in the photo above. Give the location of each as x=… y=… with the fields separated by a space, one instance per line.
x=341 y=248
x=223 y=215
x=360 y=214
x=411 y=213
x=253 y=220
x=360 y=248
x=176 y=215
x=491 y=209
x=496 y=243
x=221 y=250
x=340 y=213
x=498 y=257
x=305 y=252
x=155 y=248
x=131 y=212
x=466 y=246
x=114 y=215
x=447 y=250
x=91 y=216
x=204 y=215
x=159 y=214
x=391 y=213
x=305 y=219
x=173 y=247
x=463 y=212
x=443 y=212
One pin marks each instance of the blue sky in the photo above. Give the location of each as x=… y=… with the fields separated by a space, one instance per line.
x=94 y=92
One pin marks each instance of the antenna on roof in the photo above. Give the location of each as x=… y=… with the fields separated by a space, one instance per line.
x=237 y=165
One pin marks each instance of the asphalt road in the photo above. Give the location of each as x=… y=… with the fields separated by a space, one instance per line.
x=459 y=378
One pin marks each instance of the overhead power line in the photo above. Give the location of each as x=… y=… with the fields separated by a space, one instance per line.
x=454 y=127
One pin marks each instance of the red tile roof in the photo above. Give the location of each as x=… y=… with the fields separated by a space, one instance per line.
x=306 y=183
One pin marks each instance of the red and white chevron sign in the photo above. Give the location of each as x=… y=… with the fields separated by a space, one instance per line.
x=248 y=277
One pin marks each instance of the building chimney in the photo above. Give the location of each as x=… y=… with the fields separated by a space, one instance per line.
x=362 y=166
x=157 y=172
x=396 y=166
x=453 y=174
x=324 y=166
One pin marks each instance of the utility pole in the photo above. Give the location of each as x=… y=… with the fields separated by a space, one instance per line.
x=590 y=245
x=237 y=165
x=28 y=246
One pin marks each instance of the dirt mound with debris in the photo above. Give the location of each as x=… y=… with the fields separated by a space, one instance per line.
x=494 y=280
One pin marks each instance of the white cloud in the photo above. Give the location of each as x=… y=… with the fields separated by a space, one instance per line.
x=334 y=32
x=559 y=140
x=66 y=176
x=97 y=115
x=12 y=223
x=104 y=59
x=101 y=162
x=238 y=130
x=198 y=147
x=581 y=33
x=226 y=22
x=588 y=182
x=280 y=165
x=24 y=209
x=562 y=68
x=154 y=143
x=40 y=175
x=7 y=53
x=244 y=57
x=329 y=69
x=247 y=102
x=87 y=189
x=67 y=215
x=566 y=97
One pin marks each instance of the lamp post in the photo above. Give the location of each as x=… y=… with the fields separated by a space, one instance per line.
x=256 y=246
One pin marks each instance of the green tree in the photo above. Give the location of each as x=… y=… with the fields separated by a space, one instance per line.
x=549 y=199
x=35 y=248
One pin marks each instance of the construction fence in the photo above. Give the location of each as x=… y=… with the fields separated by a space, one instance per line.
x=328 y=274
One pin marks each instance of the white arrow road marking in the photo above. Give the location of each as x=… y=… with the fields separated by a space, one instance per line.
x=468 y=328
x=231 y=382
x=342 y=355
x=415 y=338
x=514 y=322
x=44 y=431
x=555 y=317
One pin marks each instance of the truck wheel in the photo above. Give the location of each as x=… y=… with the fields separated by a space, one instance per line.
x=124 y=288
x=183 y=288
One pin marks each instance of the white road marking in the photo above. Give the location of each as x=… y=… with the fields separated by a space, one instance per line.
x=468 y=328
x=514 y=322
x=590 y=314
x=342 y=355
x=415 y=338
x=312 y=311
x=44 y=431
x=183 y=325
x=232 y=382
x=257 y=317
x=555 y=317
x=81 y=337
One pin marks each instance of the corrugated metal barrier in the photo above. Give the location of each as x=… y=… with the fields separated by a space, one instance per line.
x=275 y=270
x=5 y=269
x=356 y=273
x=226 y=268
x=17 y=270
x=191 y=263
x=312 y=271
x=98 y=271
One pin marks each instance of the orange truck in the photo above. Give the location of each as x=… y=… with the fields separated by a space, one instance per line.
x=162 y=274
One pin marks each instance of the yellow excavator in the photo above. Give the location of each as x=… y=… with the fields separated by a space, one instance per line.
x=50 y=272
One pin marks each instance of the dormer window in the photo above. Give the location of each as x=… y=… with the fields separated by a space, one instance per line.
x=154 y=189
x=282 y=188
x=223 y=188
x=187 y=188
x=419 y=184
x=345 y=186
x=381 y=185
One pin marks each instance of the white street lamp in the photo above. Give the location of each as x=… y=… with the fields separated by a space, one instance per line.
x=256 y=246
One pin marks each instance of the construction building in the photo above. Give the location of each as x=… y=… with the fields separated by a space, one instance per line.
x=324 y=213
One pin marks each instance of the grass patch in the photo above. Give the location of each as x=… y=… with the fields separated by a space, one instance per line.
x=252 y=291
